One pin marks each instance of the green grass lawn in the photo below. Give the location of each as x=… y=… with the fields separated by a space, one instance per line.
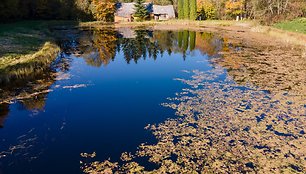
x=296 y=25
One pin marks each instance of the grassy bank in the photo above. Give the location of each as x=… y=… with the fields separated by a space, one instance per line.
x=26 y=37
x=27 y=48
x=296 y=25
x=18 y=66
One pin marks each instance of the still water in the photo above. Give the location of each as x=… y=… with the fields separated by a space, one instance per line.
x=99 y=93
x=151 y=100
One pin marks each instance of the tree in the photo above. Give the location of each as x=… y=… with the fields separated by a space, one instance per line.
x=234 y=8
x=103 y=10
x=181 y=9
x=141 y=11
x=186 y=9
x=193 y=9
x=206 y=9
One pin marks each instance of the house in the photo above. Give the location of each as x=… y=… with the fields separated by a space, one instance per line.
x=163 y=12
x=125 y=12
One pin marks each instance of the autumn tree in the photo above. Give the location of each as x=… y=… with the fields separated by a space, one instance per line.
x=234 y=8
x=274 y=10
x=83 y=8
x=206 y=9
x=103 y=10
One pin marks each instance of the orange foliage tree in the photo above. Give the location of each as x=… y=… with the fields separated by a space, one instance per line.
x=103 y=10
x=234 y=7
x=207 y=9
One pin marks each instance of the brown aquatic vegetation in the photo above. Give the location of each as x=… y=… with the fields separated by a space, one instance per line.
x=224 y=127
x=274 y=68
x=251 y=122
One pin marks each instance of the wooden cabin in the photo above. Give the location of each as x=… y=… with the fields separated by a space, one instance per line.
x=125 y=12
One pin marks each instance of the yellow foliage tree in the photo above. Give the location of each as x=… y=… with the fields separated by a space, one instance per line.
x=103 y=10
x=234 y=7
x=207 y=9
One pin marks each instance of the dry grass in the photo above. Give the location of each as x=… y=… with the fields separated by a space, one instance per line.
x=286 y=36
x=47 y=51
x=23 y=65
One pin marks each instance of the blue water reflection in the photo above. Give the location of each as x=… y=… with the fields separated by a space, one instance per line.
x=106 y=87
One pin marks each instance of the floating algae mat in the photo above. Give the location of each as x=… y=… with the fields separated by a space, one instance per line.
x=151 y=101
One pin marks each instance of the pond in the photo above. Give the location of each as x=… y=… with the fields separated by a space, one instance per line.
x=107 y=85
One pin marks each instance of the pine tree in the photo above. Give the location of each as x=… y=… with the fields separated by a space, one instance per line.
x=186 y=9
x=180 y=9
x=193 y=9
x=141 y=11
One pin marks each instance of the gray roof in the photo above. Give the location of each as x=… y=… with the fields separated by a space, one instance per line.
x=128 y=9
x=167 y=9
x=125 y=9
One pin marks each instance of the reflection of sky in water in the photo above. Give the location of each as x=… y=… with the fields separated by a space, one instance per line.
x=106 y=116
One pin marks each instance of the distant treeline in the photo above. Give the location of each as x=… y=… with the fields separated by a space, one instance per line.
x=103 y=10
x=39 y=9
x=267 y=11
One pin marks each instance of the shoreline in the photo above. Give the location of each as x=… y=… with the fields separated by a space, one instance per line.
x=221 y=26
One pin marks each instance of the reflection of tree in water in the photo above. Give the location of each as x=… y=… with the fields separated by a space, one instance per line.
x=208 y=43
x=4 y=111
x=30 y=82
x=167 y=40
x=31 y=91
x=139 y=47
x=37 y=102
x=100 y=48
x=144 y=44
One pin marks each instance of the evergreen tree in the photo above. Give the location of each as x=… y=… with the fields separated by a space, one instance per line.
x=180 y=9
x=193 y=9
x=141 y=11
x=186 y=9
